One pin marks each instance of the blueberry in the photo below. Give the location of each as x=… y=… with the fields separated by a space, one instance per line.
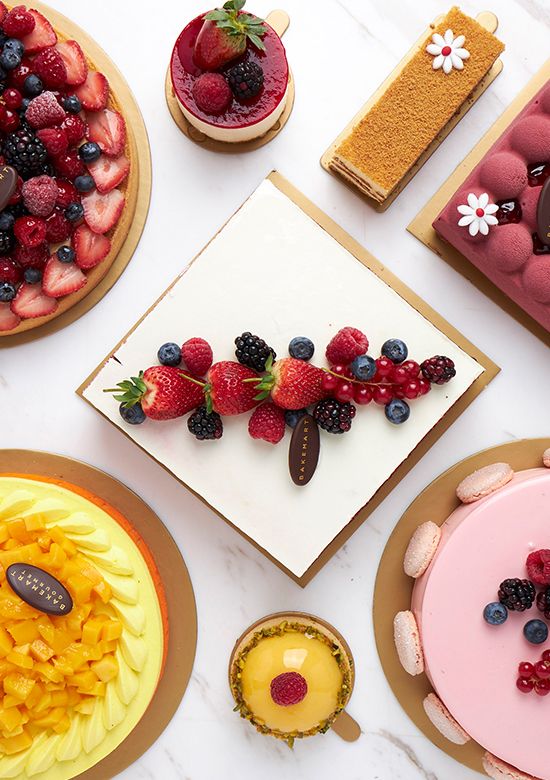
x=72 y=104
x=395 y=349
x=293 y=415
x=10 y=59
x=535 y=631
x=3 y=74
x=74 y=212
x=7 y=292
x=14 y=44
x=89 y=151
x=169 y=354
x=495 y=613
x=397 y=411
x=32 y=86
x=134 y=415
x=25 y=104
x=32 y=275
x=84 y=183
x=301 y=348
x=65 y=254
x=363 y=368
x=6 y=220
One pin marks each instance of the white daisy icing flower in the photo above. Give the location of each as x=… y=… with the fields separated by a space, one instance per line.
x=478 y=214
x=448 y=51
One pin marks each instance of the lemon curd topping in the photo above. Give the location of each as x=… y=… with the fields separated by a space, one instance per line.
x=291 y=647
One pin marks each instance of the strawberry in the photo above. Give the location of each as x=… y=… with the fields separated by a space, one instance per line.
x=91 y=248
x=49 y=66
x=108 y=172
x=42 y=36
x=94 y=92
x=61 y=278
x=8 y=319
x=231 y=388
x=268 y=423
x=31 y=302
x=108 y=129
x=102 y=212
x=54 y=139
x=224 y=34
x=163 y=392
x=292 y=383
x=75 y=62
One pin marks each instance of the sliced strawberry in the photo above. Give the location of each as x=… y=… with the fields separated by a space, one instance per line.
x=108 y=129
x=41 y=37
x=94 y=92
x=31 y=302
x=75 y=62
x=107 y=172
x=102 y=212
x=8 y=319
x=91 y=248
x=61 y=278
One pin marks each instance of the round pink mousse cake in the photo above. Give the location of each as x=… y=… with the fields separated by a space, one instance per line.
x=472 y=665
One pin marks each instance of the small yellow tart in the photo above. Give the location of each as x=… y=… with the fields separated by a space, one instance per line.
x=316 y=657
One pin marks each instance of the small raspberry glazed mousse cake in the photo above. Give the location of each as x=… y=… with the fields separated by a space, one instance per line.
x=230 y=74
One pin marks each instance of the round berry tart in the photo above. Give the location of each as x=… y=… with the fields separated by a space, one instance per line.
x=229 y=74
x=291 y=675
x=66 y=172
x=479 y=616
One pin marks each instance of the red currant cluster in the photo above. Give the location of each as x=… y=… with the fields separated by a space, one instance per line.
x=402 y=380
x=9 y=118
x=535 y=677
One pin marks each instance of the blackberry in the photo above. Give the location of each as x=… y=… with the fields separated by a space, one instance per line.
x=252 y=351
x=25 y=152
x=517 y=594
x=7 y=242
x=438 y=369
x=334 y=416
x=246 y=80
x=205 y=425
x=543 y=602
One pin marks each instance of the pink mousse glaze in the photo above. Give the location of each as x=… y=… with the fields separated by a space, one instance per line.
x=506 y=255
x=472 y=665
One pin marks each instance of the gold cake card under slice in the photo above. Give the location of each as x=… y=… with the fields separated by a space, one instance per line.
x=381 y=196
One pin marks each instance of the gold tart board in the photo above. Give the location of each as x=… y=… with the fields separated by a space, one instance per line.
x=345 y=726
x=280 y=21
x=182 y=614
x=393 y=589
x=486 y=19
x=137 y=190
x=421 y=226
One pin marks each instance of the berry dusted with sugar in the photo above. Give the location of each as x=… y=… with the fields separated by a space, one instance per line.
x=397 y=411
x=267 y=422
x=288 y=688
x=438 y=369
x=65 y=254
x=495 y=613
x=89 y=152
x=212 y=93
x=25 y=152
x=538 y=567
x=169 y=354
x=133 y=415
x=252 y=351
x=535 y=631
x=246 y=80
x=363 y=368
x=346 y=345
x=44 y=111
x=301 y=348
x=205 y=425
x=7 y=292
x=334 y=416
x=395 y=349
x=517 y=595
x=293 y=416
x=40 y=195
x=197 y=355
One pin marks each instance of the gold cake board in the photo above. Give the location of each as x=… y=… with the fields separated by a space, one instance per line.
x=137 y=193
x=393 y=589
x=180 y=599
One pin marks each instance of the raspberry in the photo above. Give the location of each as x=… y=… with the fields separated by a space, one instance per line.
x=58 y=227
x=288 y=688
x=30 y=231
x=40 y=195
x=75 y=127
x=69 y=165
x=34 y=257
x=49 y=66
x=54 y=139
x=538 y=567
x=10 y=271
x=348 y=344
x=67 y=193
x=197 y=356
x=438 y=369
x=44 y=111
x=212 y=93
x=18 y=22
x=267 y=422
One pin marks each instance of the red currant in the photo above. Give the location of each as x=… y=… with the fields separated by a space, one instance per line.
x=18 y=75
x=542 y=670
x=9 y=121
x=362 y=394
x=383 y=395
x=425 y=386
x=384 y=366
x=329 y=382
x=399 y=392
x=338 y=369
x=525 y=669
x=344 y=392
x=12 y=98
x=412 y=368
x=399 y=375
x=412 y=389
x=546 y=656
x=524 y=685
x=542 y=687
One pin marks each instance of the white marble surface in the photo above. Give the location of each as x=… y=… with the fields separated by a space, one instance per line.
x=339 y=50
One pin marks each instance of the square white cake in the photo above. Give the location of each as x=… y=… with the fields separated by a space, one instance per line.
x=279 y=274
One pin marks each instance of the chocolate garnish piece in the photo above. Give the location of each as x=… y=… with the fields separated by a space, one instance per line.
x=8 y=184
x=39 y=589
x=543 y=213
x=303 y=453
